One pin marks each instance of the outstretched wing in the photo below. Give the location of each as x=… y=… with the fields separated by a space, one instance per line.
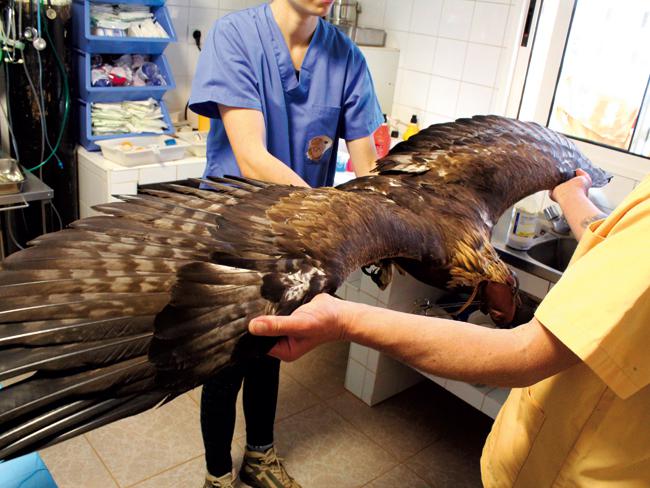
x=124 y=311
x=499 y=160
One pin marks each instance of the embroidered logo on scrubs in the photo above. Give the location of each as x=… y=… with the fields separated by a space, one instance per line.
x=318 y=146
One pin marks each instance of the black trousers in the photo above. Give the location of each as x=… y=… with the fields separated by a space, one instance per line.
x=261 y=378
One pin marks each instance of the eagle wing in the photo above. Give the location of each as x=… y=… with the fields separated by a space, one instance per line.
x=124 y=311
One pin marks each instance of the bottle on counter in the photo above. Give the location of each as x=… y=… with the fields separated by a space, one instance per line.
x=411 y=129
x=524 y=224
x=382 y=139
x=394 y=138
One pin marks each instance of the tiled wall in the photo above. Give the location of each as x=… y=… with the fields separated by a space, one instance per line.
x=454 y=53
x=189 y=15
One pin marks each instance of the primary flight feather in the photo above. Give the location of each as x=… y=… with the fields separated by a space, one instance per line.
x=124 y=311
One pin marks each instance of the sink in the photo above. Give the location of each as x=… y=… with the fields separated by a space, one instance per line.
x=555 y=253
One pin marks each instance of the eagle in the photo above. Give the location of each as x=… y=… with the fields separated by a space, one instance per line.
x=124 y=311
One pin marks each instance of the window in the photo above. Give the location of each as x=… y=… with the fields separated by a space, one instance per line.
x=604 y=74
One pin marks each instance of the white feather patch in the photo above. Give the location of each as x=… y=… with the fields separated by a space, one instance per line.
x=297 y=283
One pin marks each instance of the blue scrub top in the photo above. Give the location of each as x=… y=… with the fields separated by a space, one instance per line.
x=245 y=63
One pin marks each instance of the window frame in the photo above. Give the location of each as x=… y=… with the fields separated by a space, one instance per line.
x=537 y=86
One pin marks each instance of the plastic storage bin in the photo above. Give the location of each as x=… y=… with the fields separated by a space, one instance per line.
x=90 y=93
x=87 y=42
x=88 y=140
x=198 y=141
x=154 y=150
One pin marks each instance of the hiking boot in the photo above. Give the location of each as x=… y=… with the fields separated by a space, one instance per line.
x=265 y=470
x=225 y=481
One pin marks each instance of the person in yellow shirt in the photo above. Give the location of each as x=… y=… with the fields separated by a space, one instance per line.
x=579 y=411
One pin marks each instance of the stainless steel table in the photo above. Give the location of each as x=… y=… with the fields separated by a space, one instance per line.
x=34 y=190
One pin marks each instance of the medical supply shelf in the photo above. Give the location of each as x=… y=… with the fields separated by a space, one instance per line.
x=87 y=139
x=87 y=44
x=84 y=40
x=89 y=93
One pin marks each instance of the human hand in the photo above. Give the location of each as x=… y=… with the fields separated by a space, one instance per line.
x=579 y=184
x=308 y=326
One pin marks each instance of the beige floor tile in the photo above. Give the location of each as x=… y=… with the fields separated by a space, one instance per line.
x=322 y=371
x=139 y=447
x=453 y=459
x=322 y=450
x=293 y=397
x=399 y=476
x=74 y=464
x=195 y=394
x=188 y=475
x=403 y=424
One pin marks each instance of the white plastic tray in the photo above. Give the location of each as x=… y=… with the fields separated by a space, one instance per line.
x=146 y=150
x=197 y=140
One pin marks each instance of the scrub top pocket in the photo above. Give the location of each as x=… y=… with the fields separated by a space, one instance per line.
x=320 y=134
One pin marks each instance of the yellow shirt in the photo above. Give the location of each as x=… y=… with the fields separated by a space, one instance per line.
x=588 y=426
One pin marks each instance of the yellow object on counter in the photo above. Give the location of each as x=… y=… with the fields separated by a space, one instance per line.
x=412 y=129
x=204 y=123
x=588 y=425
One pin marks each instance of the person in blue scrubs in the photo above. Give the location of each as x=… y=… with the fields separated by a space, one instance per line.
x=281 y=86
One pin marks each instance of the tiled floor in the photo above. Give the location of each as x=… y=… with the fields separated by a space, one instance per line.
x=422 y=438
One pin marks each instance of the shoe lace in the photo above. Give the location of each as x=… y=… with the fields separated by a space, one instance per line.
x=274 y=462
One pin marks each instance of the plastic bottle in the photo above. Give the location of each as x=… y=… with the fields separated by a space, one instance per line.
x=382 y=139
x=394 y=138
x=524 y=225
x=412 y=129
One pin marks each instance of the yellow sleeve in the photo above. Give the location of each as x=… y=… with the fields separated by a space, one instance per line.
x=600 y=309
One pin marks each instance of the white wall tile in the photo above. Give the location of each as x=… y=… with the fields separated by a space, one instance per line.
x=205 y=4
x=415 y=87
x=443 y=96
x=419 y=53
x=532 y=284
x=398 y=14
x=238 y=4
x=201 y=19
x=179 y=16
x=359 y=353
x=449 y=58
x=397 y=40
x=178 y=3
x=481 y=64
x=473 y=100
x=425 y=18
x=178 y=97
x=474 y=395
x=430 y=118
x=372 y=13
x=456 y=20
x=368 y=286
x=354 y=377
x=616 y=190
x=372 y=361
x=489 y=23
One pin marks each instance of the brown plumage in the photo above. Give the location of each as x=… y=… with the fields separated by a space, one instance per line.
x=124 y=311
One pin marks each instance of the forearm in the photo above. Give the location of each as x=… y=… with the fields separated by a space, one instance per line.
x=579 y=211
x=363 y=155
x=262 y=165
x=447 y=348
